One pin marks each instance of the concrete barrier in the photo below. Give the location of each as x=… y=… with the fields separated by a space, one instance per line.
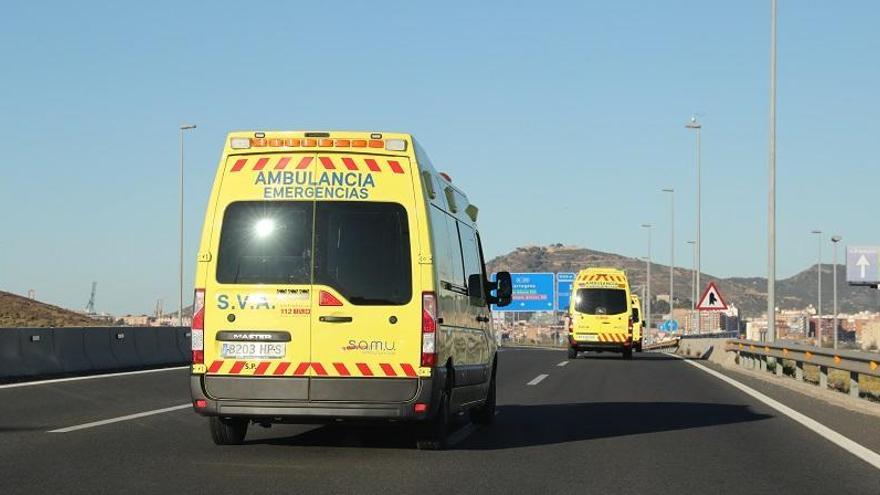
x=43 y=352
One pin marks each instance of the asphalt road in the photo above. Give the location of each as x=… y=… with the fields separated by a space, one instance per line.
x=601 y=425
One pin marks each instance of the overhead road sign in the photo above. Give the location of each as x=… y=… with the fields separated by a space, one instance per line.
x=531 y=292
x=564 y=282
x=712 y=300
x=862 y=267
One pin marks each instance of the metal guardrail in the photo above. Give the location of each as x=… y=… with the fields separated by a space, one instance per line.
x=755 y=355
x=714 y=335
x=666 y=344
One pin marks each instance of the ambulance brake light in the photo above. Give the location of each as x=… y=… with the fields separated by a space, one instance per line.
x=197 y=333
x=429 y=329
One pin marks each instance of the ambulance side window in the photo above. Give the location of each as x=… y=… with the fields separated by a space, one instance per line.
x=473 y=266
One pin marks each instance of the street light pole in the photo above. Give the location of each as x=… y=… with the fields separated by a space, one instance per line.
x=771 y=196
x=693 y=281
x=818 y=233
x=671 y=250
x=648 y=280
x=835 y=239
x=183 y=128
x=693 y=124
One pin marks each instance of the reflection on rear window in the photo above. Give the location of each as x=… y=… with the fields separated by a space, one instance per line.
x=266 y=242
x=600 y=301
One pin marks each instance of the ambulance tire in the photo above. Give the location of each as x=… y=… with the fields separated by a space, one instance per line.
x=433 y=433
x=228 y=431
x=485 y=414
x=639 y=346
x=628 y=353
x=572 y=353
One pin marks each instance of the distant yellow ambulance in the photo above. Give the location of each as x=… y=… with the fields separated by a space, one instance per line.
x=340 y=277
x=601 y=316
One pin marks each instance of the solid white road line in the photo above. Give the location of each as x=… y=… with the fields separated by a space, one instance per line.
x=120 y=418
x=562 y=364
x=858 y=450
x=537 y=379
x=88 y=377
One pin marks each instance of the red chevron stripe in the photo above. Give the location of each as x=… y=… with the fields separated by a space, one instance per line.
x=282 y=368
x=301 y=369
x=408 y=370
x=327 y=162
x=319 y=369
x=395 y=166
x=261 y=163
x=349 y=163
x=215 y=366
x=282 y=163
x=364 y=369
x=261 y=368
x=238 y=165
x=304 y=162
x=372 y=165
x=341 y=369
x=387 y=369
x=236 y=368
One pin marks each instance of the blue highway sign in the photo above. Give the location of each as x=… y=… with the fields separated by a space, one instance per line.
x=564 y=282
x=531 y=292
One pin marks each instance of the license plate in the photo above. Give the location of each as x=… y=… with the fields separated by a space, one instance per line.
x=253 y=350
x=592 y=337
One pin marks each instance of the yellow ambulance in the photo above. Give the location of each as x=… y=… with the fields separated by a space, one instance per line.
x=600 y=313
x=340 y=277
x=637 y=323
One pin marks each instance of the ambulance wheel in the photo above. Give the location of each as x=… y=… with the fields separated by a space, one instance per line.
x=639 y=346
x=485 y=414
x=572 y=353
x=628 y=353
x=433 y=433
x=228 y=431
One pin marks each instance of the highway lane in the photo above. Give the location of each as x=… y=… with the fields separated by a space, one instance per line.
x=651 y=425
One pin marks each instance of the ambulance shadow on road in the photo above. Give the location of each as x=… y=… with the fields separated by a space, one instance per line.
x=535 y=425
x=548 y=424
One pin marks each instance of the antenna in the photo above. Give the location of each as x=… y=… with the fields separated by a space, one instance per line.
x=90 y=307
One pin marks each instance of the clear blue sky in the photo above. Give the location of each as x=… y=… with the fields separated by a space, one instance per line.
x=561 y=119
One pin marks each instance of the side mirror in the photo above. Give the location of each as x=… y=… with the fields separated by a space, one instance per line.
x=475 y=285
x=503 y=290
x=643 y=324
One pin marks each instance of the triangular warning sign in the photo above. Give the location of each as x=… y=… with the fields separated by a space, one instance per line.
x=712 y=300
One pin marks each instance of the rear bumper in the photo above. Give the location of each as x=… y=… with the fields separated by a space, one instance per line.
x=600 y=346
x=364 y=399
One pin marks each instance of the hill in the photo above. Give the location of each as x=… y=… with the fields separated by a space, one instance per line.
x=749 y=294
x=18 y=311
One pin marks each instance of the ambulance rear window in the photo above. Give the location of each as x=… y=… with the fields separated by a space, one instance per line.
x=266 y=242
x=600 y=301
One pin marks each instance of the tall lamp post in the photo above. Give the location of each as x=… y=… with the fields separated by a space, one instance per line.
x=771 y=194
x=835 y=239
x=184 y=127
x=648 y=279
x=818 y=234
x=693 y=245
x=671 y=249
x=693 y=124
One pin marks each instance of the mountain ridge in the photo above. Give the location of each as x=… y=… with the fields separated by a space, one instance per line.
x=749 y=294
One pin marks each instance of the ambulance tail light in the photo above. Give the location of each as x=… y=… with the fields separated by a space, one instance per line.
x=429 y=329
x=198 y=327
x=630 y=327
